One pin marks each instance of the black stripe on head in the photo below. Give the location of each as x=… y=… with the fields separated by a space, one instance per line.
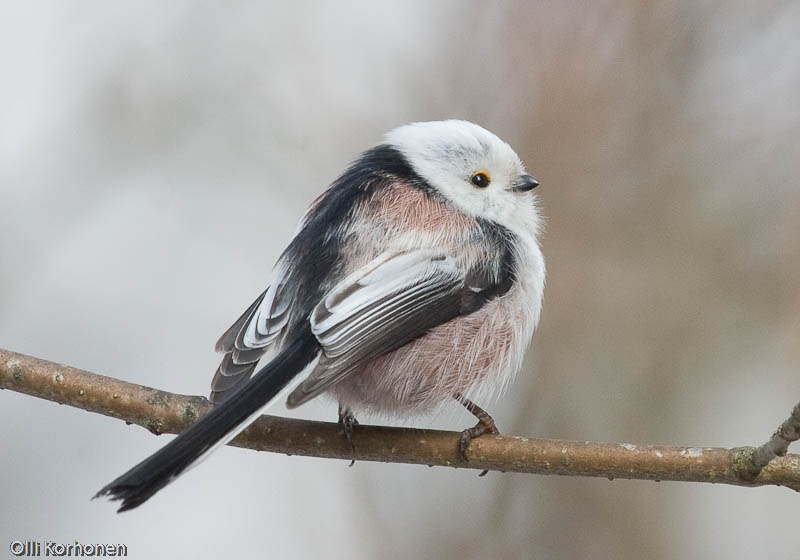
x=313 y=256
x=382 y=162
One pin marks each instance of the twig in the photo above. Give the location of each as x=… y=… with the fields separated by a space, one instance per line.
x=163 y=412
x=778 y=444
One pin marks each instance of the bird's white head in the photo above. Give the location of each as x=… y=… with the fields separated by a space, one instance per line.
x=472 y=168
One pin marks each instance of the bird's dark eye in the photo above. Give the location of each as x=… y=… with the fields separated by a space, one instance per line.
x=480 y=179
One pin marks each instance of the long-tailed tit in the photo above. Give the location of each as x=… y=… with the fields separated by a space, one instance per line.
x=415 y=278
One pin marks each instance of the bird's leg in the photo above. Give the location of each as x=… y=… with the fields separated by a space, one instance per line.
x=485 y=425
x=348 y=422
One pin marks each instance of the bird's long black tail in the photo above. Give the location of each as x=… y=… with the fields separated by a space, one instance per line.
x=229 y=418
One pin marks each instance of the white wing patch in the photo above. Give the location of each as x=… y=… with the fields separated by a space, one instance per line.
x=257 y=333
x=394 y=299
x=269 y=319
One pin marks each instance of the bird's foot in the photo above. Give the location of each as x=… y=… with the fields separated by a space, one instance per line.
x=485 y=425
x=348 y=422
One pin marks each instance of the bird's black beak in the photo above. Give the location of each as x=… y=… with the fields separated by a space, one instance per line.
x=526 y=183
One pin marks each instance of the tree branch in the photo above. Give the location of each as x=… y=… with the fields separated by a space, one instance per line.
x=163 y=412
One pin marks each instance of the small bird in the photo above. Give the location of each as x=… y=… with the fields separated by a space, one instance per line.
x=415 y=278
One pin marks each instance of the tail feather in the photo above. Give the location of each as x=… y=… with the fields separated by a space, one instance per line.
x=218 y=426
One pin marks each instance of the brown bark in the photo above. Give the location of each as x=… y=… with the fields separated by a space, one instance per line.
x=163 y=412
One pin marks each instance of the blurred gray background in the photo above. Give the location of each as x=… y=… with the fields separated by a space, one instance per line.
x=155 y=157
